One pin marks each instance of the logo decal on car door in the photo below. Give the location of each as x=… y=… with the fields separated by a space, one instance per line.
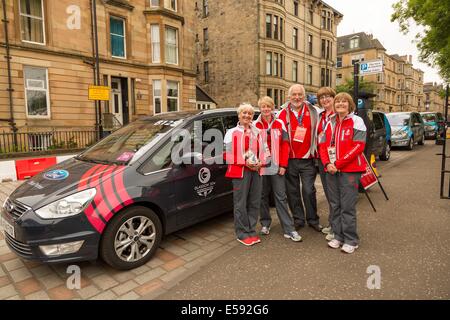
x=206 y=187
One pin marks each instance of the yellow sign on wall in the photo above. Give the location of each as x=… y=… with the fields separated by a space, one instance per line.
x=99 y=93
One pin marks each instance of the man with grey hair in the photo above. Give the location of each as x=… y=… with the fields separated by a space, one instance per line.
x=300 y=119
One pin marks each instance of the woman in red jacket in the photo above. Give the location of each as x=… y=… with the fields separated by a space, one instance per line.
x=274 y=133
x=244 y=154
x=341 y=152
x=325 y=96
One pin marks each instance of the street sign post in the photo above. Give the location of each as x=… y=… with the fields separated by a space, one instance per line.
x=370 y=67
x=99 y=93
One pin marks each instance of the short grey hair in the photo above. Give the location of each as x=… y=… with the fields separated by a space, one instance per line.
x=295 y=85
x=245 y=106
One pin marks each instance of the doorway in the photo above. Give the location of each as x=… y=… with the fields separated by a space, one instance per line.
x=119 y=100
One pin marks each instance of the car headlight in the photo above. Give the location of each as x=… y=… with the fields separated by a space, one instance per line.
x=401 y=135
x=68 y=206
x=4 y=202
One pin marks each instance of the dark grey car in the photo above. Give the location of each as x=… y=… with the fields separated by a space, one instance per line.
x=119 y=198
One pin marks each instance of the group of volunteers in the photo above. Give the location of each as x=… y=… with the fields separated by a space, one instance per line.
x=281 y=153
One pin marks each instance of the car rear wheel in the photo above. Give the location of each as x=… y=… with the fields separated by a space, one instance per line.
x=422 y=140
x=410 y=143
x=131 y=238
x=386 y=154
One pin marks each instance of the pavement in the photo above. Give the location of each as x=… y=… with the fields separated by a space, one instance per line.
x=186 y=264
x=404 y=245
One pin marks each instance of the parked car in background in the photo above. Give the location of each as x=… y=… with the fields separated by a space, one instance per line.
x=434 y=125
x=379 y=135
x=407 y=129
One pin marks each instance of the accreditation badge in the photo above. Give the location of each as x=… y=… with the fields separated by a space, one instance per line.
x=332 y=154
x=300 y=134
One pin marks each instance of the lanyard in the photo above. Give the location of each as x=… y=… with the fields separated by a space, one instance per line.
x=300 y=119
x=325 y=120
x=270 y=124
x=333 y=134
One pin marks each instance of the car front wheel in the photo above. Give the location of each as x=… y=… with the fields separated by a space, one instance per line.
x=410 y=143
x=422 y=140
x=131 y=238
x=386 y=154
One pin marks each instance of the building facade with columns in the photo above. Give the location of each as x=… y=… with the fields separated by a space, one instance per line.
x=248 y=49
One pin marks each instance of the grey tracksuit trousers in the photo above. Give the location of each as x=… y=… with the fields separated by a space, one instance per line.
x=247 y=201
x=277 y=184
x=343 y=195
x=304 y=170
x=323 y=175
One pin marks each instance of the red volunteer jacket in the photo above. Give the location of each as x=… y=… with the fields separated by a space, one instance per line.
x=277 y=141
x=349 y=140
x=308 y=148
x=321 y=127
x=237 y=143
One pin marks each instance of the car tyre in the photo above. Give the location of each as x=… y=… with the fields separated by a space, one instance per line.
x=410 y=143
x=386 y=153
x=138 y=246
x=422 y=140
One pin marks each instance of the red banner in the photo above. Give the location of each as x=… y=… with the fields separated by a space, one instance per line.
x=368 y=178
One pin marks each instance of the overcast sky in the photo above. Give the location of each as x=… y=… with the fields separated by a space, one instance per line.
x=373 y=17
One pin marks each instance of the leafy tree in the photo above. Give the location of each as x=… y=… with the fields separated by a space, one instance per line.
x=434 y=42
x=364 y=86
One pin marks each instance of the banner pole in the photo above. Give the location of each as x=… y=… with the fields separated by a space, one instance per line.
x=370 y=201
x=378 y=180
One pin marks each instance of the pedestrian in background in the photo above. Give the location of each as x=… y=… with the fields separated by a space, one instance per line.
x=300 y=119
x=244 y=154
x=341 y=152
x=275 y=135
x=325 y=96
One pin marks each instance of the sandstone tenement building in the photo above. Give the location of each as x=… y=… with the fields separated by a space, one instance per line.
x=247 y=49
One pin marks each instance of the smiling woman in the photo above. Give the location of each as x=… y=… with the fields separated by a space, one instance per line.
x=245 y=155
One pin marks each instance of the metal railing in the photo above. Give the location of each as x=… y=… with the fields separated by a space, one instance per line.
x=44 y=142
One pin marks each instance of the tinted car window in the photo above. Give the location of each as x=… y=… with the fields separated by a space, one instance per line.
x=212 y=123
x=417 y=118
x=378 y=122
x=211 y=127
x=230 y=122
x=429 y=117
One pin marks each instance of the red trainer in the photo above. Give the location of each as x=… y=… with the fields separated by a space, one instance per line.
x=247 y=241
x=256 y=239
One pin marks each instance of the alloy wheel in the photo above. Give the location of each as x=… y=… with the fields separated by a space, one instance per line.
x=135 y=239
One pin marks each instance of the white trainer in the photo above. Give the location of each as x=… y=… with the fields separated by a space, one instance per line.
x=335 y=244
x=294 y=236
x=326 y=230
x=347 y=248
x=329 y=237
x=265 y=230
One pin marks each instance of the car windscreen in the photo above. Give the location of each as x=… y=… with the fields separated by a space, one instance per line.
x=128 y=142
x=398 y=120
x=429 y=117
